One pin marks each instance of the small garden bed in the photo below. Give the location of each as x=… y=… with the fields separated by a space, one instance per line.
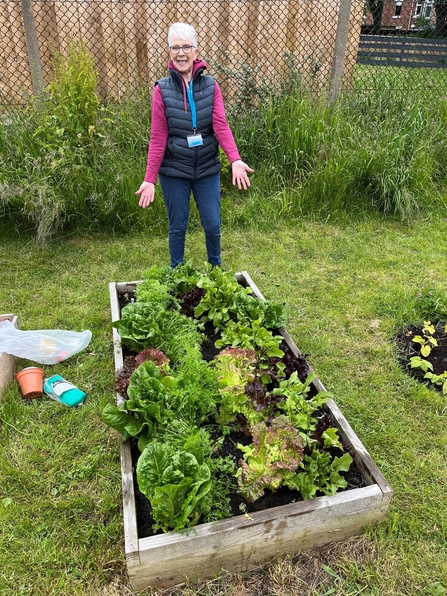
x=422 y=351
x=304 y=509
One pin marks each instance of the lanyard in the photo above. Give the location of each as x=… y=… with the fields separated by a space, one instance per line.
x=192 y=105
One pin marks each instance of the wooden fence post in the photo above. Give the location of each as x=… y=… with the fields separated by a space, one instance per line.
x=341 y=42
x=32 y=47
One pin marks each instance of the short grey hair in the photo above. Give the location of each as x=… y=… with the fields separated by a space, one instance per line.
x=182 y=31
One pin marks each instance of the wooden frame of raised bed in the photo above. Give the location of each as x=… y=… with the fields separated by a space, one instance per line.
x=7 y=361
x=243 y=543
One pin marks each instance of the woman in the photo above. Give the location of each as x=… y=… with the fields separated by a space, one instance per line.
x=188 y=125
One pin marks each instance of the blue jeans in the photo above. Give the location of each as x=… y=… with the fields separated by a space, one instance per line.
x=206 y=192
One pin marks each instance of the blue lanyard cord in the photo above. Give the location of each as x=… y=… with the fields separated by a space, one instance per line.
x=192 y=105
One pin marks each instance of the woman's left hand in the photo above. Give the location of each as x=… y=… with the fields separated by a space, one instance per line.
x=240 y=174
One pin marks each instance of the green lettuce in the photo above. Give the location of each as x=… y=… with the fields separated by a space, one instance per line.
x=175 y=484
x=139 y=415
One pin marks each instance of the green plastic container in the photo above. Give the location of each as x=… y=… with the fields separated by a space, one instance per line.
x=62 y=390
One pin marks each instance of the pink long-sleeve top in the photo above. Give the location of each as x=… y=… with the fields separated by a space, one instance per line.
x=159 y=129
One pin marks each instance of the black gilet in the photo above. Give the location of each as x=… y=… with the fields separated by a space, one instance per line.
x=179 y=159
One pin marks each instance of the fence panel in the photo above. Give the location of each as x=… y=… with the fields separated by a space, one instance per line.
x=248 y=44
x=245 y=42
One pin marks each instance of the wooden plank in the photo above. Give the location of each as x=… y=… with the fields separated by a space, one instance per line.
x=402 y=52
x=7 y=361
x=362 y=458
x=131 y=543
x=115 y=311
x=129 y=508
x=243 y=543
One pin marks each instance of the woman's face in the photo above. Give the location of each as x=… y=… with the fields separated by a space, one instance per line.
x=183 y=62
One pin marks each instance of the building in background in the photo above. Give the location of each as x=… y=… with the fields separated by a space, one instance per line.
x=399 y=15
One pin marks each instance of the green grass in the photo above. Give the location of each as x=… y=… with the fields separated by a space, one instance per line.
x=348 y=286
x=402 y=78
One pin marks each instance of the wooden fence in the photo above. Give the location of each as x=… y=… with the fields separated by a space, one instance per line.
x=410 y=52
x=243 y=41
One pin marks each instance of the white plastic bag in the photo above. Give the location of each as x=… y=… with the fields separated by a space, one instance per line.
x=45 y=347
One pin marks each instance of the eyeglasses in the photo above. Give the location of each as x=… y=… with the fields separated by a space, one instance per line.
x=176 y=49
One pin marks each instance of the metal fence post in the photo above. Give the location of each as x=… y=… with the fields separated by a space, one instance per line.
x=341 y=41
x=32 y=47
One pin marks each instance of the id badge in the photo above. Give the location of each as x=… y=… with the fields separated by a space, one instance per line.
x=194 y=140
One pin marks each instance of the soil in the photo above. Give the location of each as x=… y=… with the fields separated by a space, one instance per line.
x=407 y=348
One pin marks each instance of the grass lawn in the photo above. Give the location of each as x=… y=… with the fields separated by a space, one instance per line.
x=348 y=288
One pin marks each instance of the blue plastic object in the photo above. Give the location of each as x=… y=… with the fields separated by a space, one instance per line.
x=62 y=390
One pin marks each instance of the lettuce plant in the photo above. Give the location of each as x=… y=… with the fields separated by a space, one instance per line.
x=252 y=336
x=175 y=484
x=320 y=473
x=275 y=449
x=140 y=414
x=235 y=367
x=297 y=404
x=152 y=325
x=226 y=300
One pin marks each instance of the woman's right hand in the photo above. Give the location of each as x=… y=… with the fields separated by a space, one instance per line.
x=147 y=194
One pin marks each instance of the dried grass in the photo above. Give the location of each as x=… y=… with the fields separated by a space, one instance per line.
x=306 y=574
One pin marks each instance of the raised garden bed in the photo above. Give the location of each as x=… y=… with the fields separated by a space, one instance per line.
x=7 y=361
x=245 y=542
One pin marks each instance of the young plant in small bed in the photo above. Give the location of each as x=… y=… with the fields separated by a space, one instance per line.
x=427 y=368
x=440 y=380
x=427 y=343
x=426 y=340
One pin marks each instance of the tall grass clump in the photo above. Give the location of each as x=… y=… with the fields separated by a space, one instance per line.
x=367 y=153
x=71 y=160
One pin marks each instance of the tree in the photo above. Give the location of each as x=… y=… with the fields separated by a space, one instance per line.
x=441 y=18
x=376 y=8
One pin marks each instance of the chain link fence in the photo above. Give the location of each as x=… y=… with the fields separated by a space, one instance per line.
x=249 y=45
x=403 y=46
x=246 y=43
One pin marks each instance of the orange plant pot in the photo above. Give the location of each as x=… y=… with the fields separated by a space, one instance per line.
x=31 y=382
